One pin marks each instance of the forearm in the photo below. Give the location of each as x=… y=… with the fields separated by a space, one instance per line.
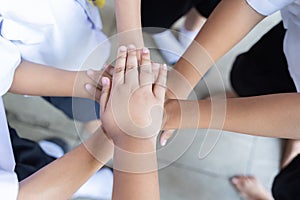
x=128 y=17
x=137 y=167
x=227 y=25
x=270 y=115
x=40 y=80
x=61 y=178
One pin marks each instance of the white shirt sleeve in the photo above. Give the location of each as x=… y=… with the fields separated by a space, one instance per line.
x=9 y=185
x=9 y=60
x=268 y=7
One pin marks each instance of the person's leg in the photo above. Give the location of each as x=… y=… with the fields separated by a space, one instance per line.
x=250 y=188
x=292 y=149
x=29 y=156
x=194 y=20
x=264 y=70
x=166 y=14
x=286 y=183
x=192 y=24
x=163 y=14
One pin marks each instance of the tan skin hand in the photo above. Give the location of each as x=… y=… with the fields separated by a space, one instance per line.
x=132 y=109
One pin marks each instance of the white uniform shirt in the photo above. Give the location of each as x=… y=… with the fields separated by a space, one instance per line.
x=59 y=33
x=9 y=184
x=50 y=32
x=290 y=11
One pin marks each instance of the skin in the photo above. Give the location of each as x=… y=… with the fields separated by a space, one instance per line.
x=216 y=37
x=40 y=80
x=35 y=79
x=129 y=23
x=135 y=161
x=50 y=183
x=269 y=115
x=193 y=20
x=141 y=182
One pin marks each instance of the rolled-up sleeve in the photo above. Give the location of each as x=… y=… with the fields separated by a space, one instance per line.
x=9 y=60
x=9 y=185
x=268 y=7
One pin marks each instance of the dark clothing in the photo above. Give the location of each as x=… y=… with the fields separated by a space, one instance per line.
x=80 y=109
x=264 y=70
x=286 y=185
x=28 y=155
x=163 y=14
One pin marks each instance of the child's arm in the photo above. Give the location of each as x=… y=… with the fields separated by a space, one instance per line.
x=270 y=115
x=61 y=178
x=227 y=25
x=131 y=113
x=40 y=80
x=128 y=16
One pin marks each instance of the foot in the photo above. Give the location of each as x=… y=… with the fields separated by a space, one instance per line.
x=292 y=149
x=250 y=188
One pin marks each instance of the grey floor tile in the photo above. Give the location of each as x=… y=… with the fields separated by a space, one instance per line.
x=229 y=156
x=178 y=184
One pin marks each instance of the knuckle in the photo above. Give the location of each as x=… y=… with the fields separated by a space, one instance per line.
x=146 y=69
x=119 y=69
x=130 y=66
x=146 y=59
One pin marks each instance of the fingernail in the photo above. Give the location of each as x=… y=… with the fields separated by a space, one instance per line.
x=122 y=48
x=105 y=65
x=164 y=67
x=163 y=142
x=234 y=180
x=90 y=72
x=104 y=81
x=145 y=50
x=88 y=87
x=131 y=47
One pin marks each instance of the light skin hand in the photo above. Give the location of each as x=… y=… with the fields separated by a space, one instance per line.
x=216 y=37
x=94 y=87
x=40 y=80
x=132 y=112
x=134 y=101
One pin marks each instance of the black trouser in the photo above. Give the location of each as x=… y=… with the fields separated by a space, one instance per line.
x=157 y=13
x=264 y=70
x=28 y=155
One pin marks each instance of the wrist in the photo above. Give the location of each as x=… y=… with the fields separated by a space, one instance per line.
x=80 y=79
x=172 y=114
x=100 y=146
x=135 y=157
x=135 y=145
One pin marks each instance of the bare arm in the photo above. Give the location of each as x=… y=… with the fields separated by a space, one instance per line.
x=135 y=171
x=128 y=16
x=61 y=178
x=227 y=25
x=270 y=115
x=127 y=111
x=40 y=80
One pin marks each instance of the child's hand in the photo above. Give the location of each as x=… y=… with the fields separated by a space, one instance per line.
x=95 y=86
x=132 y=106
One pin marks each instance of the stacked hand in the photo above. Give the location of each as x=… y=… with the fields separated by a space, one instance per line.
x=132 y=103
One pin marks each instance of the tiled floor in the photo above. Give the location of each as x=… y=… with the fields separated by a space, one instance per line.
x=183 y=175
